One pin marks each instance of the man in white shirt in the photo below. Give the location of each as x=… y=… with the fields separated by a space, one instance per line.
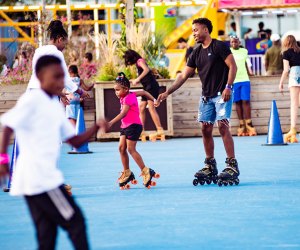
x=39 y=123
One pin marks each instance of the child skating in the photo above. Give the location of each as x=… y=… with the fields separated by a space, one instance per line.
x=131 y=129
x=39 y=122
x=147 y=79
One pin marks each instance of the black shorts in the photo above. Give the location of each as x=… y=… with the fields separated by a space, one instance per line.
x=133 y=132
x=153 y=89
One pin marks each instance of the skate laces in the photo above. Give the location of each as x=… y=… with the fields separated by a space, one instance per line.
x=231 y=166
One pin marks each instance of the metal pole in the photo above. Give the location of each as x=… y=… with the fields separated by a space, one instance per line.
x=129 y=19
x=96 y=33
x=69 y=18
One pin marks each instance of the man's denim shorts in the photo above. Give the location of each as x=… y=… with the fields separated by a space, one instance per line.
x=214 y=109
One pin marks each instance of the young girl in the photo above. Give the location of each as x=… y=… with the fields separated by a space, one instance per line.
x=131 y=129
x=74 y=98
x=150 y=85
x=73 y=108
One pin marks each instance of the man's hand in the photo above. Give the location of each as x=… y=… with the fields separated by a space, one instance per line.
x=103 y=125
x=226 y=94
x=156 y=103
x=4 y=170
x=162 y=97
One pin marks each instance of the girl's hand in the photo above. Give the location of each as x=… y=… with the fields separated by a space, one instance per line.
x=135 y=82
x=156 y=103
x=280 y=88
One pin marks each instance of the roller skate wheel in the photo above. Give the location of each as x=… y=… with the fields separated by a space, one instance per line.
x=202 y=182
x=149 y=187
x=225 y=183
x=156 y=176
x=236 y=182
x=220 y=183
x=122 y=188
x=195 y=182
x=153 y=183
x=230 y=183
x=127 y=186
x=215 y=180
x=134 y=182
x=208 y=182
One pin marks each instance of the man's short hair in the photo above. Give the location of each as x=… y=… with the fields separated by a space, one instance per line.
x=46 y=61
x=204 y=21
x=181 y=40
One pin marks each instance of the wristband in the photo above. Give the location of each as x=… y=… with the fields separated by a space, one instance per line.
x=229 y=86
x=154 y=100
x=4 y=159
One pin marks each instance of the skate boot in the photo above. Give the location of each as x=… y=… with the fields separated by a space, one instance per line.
x=230 y=174
x=158 y=135
x=251 y=131
x=148 y=174
x=68 y=188
x=143 y=136
x=126 y=177
x=207 y=174
x=291 y=136
x=242 y=131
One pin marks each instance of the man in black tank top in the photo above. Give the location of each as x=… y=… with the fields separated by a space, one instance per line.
x=217 y=69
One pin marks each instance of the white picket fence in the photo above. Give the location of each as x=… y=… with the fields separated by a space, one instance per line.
x=258 y=64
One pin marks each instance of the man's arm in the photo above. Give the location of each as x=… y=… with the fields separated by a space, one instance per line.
x=179 y=81
x=78 y=140
x=230 y=62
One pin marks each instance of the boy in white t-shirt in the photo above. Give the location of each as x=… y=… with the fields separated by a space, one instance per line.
x=37 y=176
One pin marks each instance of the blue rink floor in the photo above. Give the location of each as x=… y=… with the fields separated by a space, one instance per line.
x=263 y=212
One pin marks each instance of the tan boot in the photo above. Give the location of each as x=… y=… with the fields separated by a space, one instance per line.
x=143 y=136
x=251 y=131
x=291 y=136
x=159 y=134
x=148 y=174
x=242 y=131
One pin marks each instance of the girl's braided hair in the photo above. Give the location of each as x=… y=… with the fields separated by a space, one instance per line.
x=56 y=30
x=123 y=80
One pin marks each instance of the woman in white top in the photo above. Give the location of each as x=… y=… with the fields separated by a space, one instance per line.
x=58 y=42
x=291 y=69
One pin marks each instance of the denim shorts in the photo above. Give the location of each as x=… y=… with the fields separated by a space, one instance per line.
x=213 y=109
x=294 y=77
x=241 y=91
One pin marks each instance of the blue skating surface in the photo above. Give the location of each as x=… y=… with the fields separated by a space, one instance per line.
x=263 y=212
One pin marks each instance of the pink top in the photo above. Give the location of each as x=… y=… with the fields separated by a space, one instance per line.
x=133 y=115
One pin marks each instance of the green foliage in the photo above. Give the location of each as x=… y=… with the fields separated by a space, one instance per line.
x=164 y=72
x=108 y=72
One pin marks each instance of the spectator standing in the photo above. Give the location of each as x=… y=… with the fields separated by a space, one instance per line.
x=273 y=58
x=182 y=44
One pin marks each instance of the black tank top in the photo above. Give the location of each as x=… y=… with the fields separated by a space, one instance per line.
x=148 y=80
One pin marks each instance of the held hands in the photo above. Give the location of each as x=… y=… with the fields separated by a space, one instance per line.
x=226 y=95
x=162 y=97
x=84 y=94
x=156 y=103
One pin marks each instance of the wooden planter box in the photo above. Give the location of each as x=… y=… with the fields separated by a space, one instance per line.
x=9 y=94
x=108 y=106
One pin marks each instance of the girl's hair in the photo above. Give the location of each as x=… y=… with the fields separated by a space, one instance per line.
x=290 y=43
x=73 y=69
x=131 y=57
x=122 y=80
x=56 y=30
